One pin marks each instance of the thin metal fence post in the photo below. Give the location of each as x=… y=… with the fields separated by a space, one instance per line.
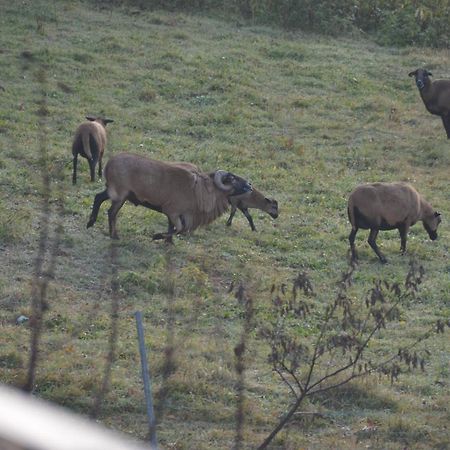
x=146 y=380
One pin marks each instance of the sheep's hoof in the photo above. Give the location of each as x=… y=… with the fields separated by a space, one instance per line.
x=383 y=260
x=166 y=237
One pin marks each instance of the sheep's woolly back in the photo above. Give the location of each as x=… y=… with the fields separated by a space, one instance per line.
x=83 y=134
x=389 y=203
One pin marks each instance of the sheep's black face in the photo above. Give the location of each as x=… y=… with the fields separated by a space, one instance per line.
x=421 y=76
x=431 y=225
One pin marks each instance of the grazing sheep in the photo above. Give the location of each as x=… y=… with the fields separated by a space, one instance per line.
x=189 y=198
x=435 y=95
x=90 y=142
x=252 y=199
x=388 y=206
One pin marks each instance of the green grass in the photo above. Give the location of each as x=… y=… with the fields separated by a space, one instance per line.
x=305 y=118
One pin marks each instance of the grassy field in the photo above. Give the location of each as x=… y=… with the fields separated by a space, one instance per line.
x=305 y=118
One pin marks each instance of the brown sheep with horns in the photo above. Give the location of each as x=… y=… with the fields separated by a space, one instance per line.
x=388 y=206
x=189 y=198
x=90 y=142
x=435 y=95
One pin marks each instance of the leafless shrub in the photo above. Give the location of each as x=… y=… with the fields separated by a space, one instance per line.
x=316 y=351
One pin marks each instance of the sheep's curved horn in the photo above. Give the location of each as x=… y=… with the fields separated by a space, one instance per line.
x=218 y=180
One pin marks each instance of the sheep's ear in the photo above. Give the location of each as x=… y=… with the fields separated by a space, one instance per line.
x=429 y=74
x=412 y=74
x=437 y=214
x=108 y=121
x=91 y=118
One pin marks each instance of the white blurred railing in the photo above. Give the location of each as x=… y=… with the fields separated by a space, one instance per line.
x=28 y=423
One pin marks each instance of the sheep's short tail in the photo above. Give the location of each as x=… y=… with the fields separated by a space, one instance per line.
x=98 y=200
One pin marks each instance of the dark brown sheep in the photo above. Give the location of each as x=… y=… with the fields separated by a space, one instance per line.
x=90 y=142
x=435 y=95
x=388 y=206
x=189 y=198
x=252 y=199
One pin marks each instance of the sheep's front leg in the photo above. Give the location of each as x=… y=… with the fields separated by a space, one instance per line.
x=171 y=230
x=230 y=219
x=249 y=218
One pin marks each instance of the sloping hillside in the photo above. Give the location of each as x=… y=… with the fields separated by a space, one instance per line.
x=305 y=118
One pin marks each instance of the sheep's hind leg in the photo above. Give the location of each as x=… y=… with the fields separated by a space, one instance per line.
x=373 y=243
x=74 y=174
x=100 y=168
x=92 y=163
x=98 y=200
x=230 y=219
x=351 y=239
x=403 y=234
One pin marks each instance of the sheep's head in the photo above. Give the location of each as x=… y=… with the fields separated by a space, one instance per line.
x=421 y=76
x=271 y=207
x=230 y=183
x=431 y=223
